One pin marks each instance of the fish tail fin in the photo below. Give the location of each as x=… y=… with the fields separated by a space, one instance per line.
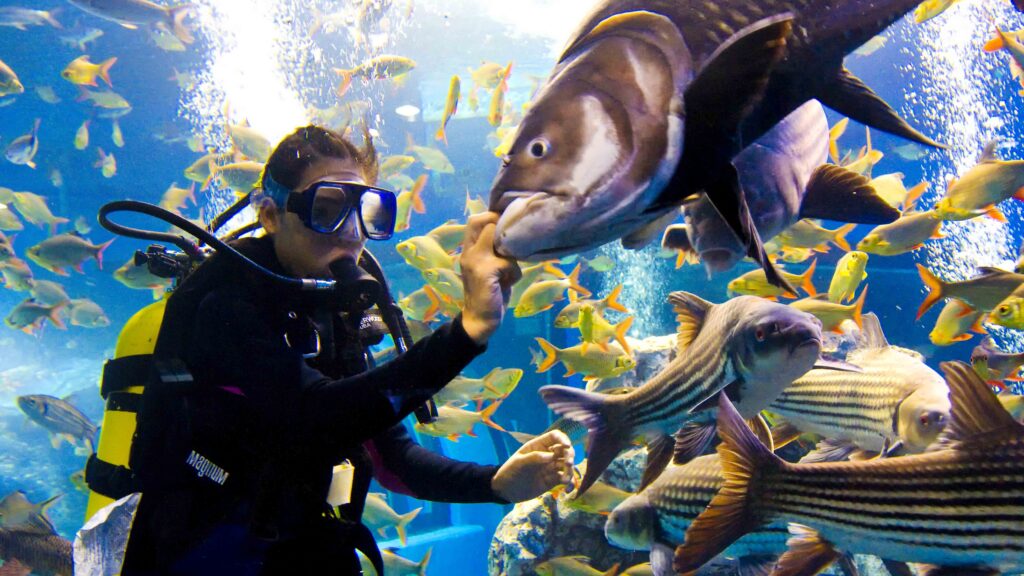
x=555 y=271
x=51 y=17
x=609 y=433
x=422 y=566
x=417 y=195
x=996 y=43
x=441 y=135
x=318 y=23
x=99 y=252
x=858 y=308
x=996 y=215
x=833 y=138
x=574 y=281
x=839 y=239
x=55 y=222
x=737 y=508
x=935 y=287
x=550 y=355
x=620 y=333
x=913 y=195
x=806 y=279
x=435 y=304
x=978 y=327
x=612 y=300
x=486 y=413
x=176 y=19
x=104 y=71
x=346 y=81
x=54 y=316
x=46 y=504
x=613 y=571
x=403 y=521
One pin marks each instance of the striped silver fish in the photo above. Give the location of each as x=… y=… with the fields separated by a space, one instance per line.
x=896 y=399
x=758 y=346
x=656 y=519
x=961 y=505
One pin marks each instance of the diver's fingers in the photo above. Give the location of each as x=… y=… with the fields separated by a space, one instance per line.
x=475 y=225
x=548 y=441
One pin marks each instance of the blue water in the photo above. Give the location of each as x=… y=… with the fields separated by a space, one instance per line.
x=935 y=74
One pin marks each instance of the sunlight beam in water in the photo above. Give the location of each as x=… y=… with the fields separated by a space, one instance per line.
x=955 y=99
x=245 y=67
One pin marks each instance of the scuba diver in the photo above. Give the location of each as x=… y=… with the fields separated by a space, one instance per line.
x=235 y=474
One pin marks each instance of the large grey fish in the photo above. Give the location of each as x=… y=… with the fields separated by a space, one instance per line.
x=959 y=506
x=896 y=400
x=27 y=551
x=754 y=346
x=653 y=98
x=22 y=18
x=63 y=420
x=785 y=179
x=982 y=292
x=135 y=13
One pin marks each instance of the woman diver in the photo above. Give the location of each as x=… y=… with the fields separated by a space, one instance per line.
x=278 y=408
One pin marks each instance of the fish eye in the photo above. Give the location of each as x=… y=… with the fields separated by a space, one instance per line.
x=759 y=334
x=1004 y=310
x=539 y=148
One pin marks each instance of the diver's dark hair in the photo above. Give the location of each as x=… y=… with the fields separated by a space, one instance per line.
x=310 y=144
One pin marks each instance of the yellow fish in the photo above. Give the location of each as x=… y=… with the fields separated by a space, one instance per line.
x=446 y=282
x=451 y=106
x=834 y=133
x=904 y=235
x=930 y=9
x=380 y=68
x=408 y=202
x=422 y=305
x=106 y=163
x=175 y=198
x=755 y=283
x=107 y=99
x=240 y=177
x=423 y=253
x=9 y=83
x=497 y=110
x=831 y=314
x=954 y=323
x=452 y=422
x=33 y=208
x=569 y=316
x=808 y=234
x=541 y=296
x=593 y=364
x=850 y=272
x=83 y=72
x=449 y=235
x=379 y=516
x=475 y=205
x=391 y=165
x=572 y=566
x=594 y=329
x=82 y=136
x=115 y=134
x=982 y=187
x=1010 y=312
x=495 y=385
x=536 y=273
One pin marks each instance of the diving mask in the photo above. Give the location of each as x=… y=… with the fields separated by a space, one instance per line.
x=326 y=205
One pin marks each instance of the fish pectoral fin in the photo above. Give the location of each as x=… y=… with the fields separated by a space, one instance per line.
x=755 y=565
x=849 y=96
x=835 y=193
x=829 y=450
x=808 y=553
x=659 y=454
x=693 y=439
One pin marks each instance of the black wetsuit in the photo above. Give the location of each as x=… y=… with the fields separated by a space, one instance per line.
x=280 y=423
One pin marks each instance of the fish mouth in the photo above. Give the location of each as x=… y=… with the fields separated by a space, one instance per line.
x=509 y=196
x=812 y=341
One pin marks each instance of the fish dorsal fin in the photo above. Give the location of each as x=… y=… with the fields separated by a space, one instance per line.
x=992 y=270
x=691 y=310
x=989 y=153
x=871 y=332
x=640 y=24
x=975 y=410
x=821 y=297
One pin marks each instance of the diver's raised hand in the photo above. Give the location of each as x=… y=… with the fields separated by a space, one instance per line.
x=487 y=278
x=538 y=466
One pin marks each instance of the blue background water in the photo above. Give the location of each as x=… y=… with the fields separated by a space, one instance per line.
x=934 y=73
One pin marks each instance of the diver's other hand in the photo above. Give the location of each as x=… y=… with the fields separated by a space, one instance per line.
x=487 y=278
x=538 y=466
